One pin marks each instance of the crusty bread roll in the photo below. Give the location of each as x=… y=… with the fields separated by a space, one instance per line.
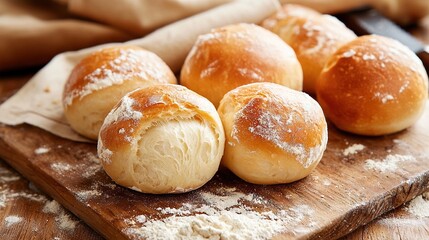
x=313 y=36
x=235 y=55
x=274 y=134
x=99 y=80
x=373 y=86
x=162 y=139
x=403 y=11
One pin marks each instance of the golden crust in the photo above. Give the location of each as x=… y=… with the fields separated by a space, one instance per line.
x=126 y=152
x=113 y=72
x=373 y=86
x=155 y=104
x=235 y=55
x=285 y=130
x=313 y=37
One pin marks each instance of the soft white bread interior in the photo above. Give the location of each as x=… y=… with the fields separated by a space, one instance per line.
x=162 y=139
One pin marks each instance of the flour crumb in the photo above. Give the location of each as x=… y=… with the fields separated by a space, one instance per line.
x=349 y=53
x=11 y=220
x=353 y=149
x=41 y=150
x=418 y=207
x=65 y=222
x=61 y=167
x=327 y=182
x=141 y=218
x=389 y=163
x=52 y=207
x=91 y=171
x=5 y=179
x=87 y=194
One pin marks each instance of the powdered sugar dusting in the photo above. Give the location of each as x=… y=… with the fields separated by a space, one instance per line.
x=353 y=149
x=222 y=215
x=388 y=164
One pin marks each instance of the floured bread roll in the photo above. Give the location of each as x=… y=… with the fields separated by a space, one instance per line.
x=274 y=134
x=313 y=36
x=373 y=86
x=162 y=139
x=98 y=82
x=235 y=55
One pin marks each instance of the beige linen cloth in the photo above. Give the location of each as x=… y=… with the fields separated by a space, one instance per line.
x=32 y=32
x=39 y=102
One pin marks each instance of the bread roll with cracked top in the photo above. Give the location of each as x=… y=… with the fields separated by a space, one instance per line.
x=162 y=139
x=99 y=80
x=314 y=38
x=373 y=86
x=274 y=134
x=235 y=55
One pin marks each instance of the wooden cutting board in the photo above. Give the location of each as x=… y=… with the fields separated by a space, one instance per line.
x=349 y=188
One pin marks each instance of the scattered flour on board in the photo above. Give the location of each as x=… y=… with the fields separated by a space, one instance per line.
x=353 y=149
x=12 y=219
x=61 y=167
x=84 y=195
x=223 y=215
x=388 y=164
x=62 y=218
x=41 y=150
x=419 y=207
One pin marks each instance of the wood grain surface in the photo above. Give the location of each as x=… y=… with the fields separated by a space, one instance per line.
x=18 y=194
x=343 y=193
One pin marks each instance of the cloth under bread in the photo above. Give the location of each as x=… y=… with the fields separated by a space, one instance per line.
x=39 y=102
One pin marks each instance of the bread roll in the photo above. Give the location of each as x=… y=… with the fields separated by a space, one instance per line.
x=373 y=86
x=274 y=134
x=98 y=82
x=313 y=36
x=235 y=55
x=162 y=139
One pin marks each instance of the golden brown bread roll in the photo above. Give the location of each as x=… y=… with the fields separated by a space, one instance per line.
x=235 y=55
x=99 y=80
x=274 y=134
x=313 y=36
x=373 y=86
x=162 y=139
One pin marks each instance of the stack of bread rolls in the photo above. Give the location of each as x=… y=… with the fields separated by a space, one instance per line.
x=155 y=136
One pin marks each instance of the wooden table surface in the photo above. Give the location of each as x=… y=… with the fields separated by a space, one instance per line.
x=27 y=213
